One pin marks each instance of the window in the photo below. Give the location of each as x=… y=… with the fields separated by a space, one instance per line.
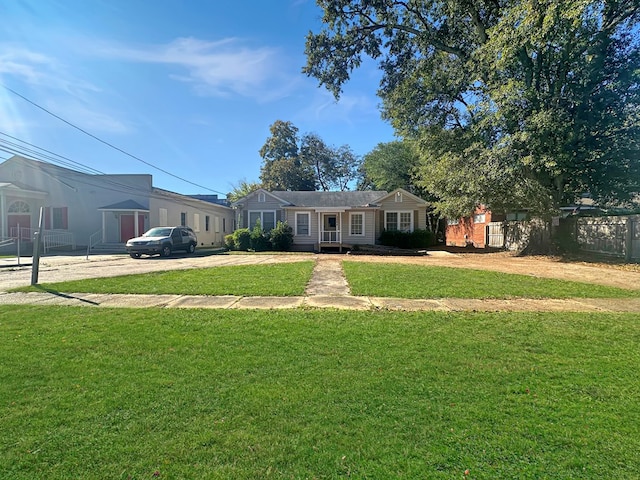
x=356 y=222
x=302 y=223
x=402 y=221
x=19 y=207
x=216 y=223
x=163 y=216
x=262 y=197
x=59 y=218
x=183 y=219
x=267 y=220
x=224 y=224
x=207 y=224
x=479 y=218
x=196 y=222
x=453 y=222
x=398 y=197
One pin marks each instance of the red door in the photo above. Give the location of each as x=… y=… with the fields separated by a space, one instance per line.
x=25 y=225
x=128 y=228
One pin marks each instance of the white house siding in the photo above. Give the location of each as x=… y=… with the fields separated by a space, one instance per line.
x=194 y=211
x=252 y=204
x=303 y=242
x=408 y=203
x=370 y=234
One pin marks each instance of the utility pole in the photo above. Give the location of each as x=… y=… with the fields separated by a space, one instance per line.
x=36 y=249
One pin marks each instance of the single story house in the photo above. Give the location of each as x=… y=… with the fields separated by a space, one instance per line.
x=322 y=220
x=82 y=209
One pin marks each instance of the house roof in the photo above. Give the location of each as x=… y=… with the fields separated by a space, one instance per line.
x=330 y=199
x=125 y=205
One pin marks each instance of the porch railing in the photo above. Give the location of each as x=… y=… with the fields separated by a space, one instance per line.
x=54 y=238
x=94 y=239
x=330 y=236
x=25 y=234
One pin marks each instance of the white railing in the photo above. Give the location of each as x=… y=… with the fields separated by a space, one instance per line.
x=94 y=239
x=330 y=236
x=23 y=233
x=54 y=238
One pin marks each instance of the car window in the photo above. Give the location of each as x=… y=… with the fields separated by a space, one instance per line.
x=157 y=232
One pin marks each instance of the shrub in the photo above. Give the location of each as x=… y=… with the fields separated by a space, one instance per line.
x=259 y=240
x=229 y=242
x=415 y=239
x=242 y=239
x=281 y=237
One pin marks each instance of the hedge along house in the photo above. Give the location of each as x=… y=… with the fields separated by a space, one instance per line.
x=333 y=220
x=82 y=209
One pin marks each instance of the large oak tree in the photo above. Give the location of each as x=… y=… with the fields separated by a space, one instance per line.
x=512 y=103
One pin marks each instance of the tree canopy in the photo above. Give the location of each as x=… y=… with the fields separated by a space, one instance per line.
x=291 y=162
x=510 y=103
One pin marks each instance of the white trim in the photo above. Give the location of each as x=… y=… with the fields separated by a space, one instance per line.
x=351 y=215
x=399 y=212
x=308 y=234
x=261 y=212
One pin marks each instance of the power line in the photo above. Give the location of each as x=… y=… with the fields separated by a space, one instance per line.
x=107 y=143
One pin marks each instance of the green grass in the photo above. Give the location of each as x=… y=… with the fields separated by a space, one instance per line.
x=115 y=394
x=412 y=281
x=281 y=279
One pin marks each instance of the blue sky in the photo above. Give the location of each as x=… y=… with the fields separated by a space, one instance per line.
x=188 y=86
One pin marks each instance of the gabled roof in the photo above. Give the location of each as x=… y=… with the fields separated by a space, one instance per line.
x=125 y=205
x=331 y=199
x=403 y=192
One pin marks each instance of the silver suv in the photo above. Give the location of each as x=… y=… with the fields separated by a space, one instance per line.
x=162 y=241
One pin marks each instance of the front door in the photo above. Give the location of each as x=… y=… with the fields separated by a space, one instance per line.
x=329 y=228
x=128 y=227
x=24 y=221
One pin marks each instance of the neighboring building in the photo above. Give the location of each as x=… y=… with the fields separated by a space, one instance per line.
x=340 y=220
x=80 y=208
x=482 y=229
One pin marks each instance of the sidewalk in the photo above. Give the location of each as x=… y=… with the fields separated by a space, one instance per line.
x=327 y=288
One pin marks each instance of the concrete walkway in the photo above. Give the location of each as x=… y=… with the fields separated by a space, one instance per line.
x=327 y=288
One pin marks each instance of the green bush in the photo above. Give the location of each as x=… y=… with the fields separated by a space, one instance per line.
x=259 y=240
x=415 y=239
x=281 y=237
x=242 y=239
x=229 y=242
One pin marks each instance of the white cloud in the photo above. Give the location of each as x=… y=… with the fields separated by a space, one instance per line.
x=219 y=68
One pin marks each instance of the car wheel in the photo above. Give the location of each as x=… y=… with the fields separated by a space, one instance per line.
x=135 y=255
x=166 y=251
x=191 y=248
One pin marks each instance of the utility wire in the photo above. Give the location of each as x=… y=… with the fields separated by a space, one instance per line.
x=107 y=143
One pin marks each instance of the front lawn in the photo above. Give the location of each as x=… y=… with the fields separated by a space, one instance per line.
x=155 y=393
x=276 y=279
x=414 y=281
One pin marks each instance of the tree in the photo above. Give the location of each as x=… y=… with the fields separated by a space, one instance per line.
x=514 y=104
x=282 y=168
x=242 y=189
x=391 y=165
x=317 y=155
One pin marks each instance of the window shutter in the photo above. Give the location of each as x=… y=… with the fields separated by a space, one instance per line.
x=65 y=219
x=47 y=218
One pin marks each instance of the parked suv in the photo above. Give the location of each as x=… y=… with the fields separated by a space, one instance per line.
x=162 y=241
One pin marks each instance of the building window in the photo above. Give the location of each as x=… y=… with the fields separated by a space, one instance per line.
x=303 y=220
x=59 y=218
x=402 y=221
x=207 y=224
x=224 y=225
x=479 y=218
x=19 y=207
x=453 y=222
x=163 y=214
x=262 y=197
x=398 y=197
x=183 y=219
x=216 y=223
x=196 y=222
x=356 y=222
x=267 y=220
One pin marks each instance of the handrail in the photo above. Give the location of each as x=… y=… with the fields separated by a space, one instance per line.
x=93 y=241
x=55 y=238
